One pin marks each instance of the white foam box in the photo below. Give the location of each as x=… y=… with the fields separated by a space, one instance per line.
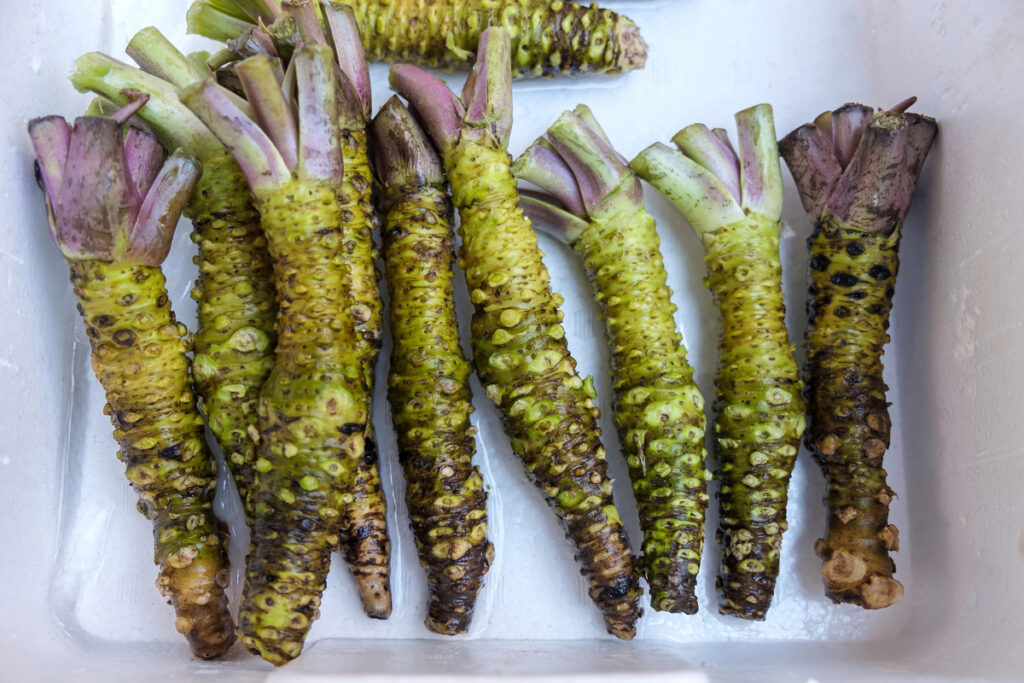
x=76 y=577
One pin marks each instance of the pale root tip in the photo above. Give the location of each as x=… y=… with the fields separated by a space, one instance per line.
x=632 y=46
x=622 y=631
x=375 y=595
x=843 y=570
x=889 y=537
x=881 y=592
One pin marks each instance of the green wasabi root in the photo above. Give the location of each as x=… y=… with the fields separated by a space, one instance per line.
x=235 y=337
x=429 y=378
x=659 y=411
x=234 y=291
x=519 y=346
x=365 y=541
x=312 y=422
x=548 y=38
x=364 y=536
x=734 y=203
x=856 y=171
x=313 y=407
x=152 y=407
x=113 y=204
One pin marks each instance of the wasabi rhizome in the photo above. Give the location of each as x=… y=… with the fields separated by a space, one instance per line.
x=733 y=200
x=113 y=203
x=596 y=207
x=548 y=38
x=519 y=346
x=313 y=407
x=364 y=538
x=234 y=339
x=428 y=381
x=856 y=171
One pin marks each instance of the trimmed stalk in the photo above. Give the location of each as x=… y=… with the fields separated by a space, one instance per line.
x=856 y=178
x=429 y=377
x=659 y=411
x=548 y=39
x=234 y=340
x=113 y=203
x=734 y=201
x=519 y=346
x=312 y=408
x=224 y=20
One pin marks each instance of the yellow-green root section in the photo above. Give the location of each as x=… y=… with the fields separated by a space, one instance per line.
x=431 y=404
x=548 y=38
x=852 y=276
x=522 y=358
x=364 y=535
x=312 y=417
x=138 y=355
x=234 y=341
x=659 y=411
x=760 y=410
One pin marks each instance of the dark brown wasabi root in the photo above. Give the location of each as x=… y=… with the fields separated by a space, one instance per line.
x=113 y=203
x=364 y=537
x=519 y=346
x=312 y=408
x=597 y=209
x=234 y=340
x=734 y=203
x=856 y=172
x=429 y=378
x=548 y=38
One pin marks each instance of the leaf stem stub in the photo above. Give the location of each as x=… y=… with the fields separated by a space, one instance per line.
x=545 y=215
x=156 y=55
x=318 y=112
x=437 y=107
x=709 y=181
x=705 y=201
x=110 y=194
x=343 y=32
x=760 y=172
x=487 y=93
x=541 y=165
x=486 y=106
x=264 y=148
x=169 y=119
x=403 y=154
x=252 y=148
x=859 y=169
x=606 y=184
x=585 y=177
x=712 y=152
x=304 y=14
x=272 y=110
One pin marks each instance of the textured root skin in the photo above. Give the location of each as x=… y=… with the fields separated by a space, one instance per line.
x=547 y=38
x=852 y=279
x=522 y=358
x=431 y=404
x=659 y=411
x=312 y=419
x=759 y=407
x=364 y=538
x=364 y=535
x=234 y=341
x=138 y=355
